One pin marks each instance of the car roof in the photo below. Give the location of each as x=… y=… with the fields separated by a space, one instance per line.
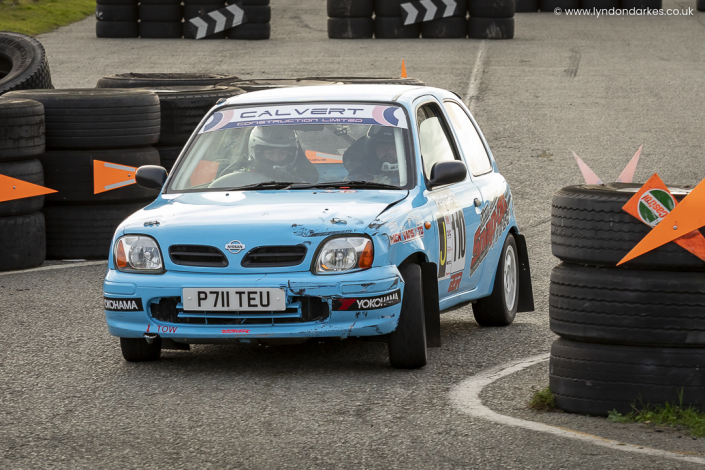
x=401 y=93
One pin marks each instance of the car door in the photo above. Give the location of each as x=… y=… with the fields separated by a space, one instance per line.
x=495 y=196
x=452 y=205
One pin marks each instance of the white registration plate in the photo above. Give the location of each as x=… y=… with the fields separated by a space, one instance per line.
x=228 y=300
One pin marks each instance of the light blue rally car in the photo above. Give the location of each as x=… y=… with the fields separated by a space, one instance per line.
x=334 y=211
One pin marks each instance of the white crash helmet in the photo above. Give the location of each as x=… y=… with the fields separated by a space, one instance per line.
x=270 y=137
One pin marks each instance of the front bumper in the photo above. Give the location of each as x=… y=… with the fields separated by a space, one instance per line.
x=149 y=290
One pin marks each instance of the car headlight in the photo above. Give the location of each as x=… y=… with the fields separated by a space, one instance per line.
x=138 y=254
x=344 y=254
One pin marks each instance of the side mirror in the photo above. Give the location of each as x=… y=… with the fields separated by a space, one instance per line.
x=151 y=176
x=443 y=173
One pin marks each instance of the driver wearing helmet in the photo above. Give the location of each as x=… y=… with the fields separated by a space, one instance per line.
x=274 y=151
x=373 y=157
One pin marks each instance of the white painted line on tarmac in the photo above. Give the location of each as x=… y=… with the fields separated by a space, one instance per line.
x=57 y=266
x=466 y=398
x=476 y=77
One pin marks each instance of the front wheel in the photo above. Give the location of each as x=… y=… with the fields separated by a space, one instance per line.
x=138 y=350
x=407 y=344
x=500 y=308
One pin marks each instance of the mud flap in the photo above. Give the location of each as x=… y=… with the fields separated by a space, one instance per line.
x=429 y=273
x=526 y=292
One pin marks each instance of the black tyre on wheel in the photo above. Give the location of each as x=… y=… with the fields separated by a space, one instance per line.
x=23 y=241
x=30 y=171
x=445 y=28
x=117 y=29
x=588 y=226
x=618 y=306
x=349 y=8
x=182 y=108
x=23 y=63
x=407 y=344
x=492 y=8
x=490 y=28
x=500 y=308
x=149 y=80
x=350 y=28
x=21 y=128
x=97 y=118
x=250 y=31
x=138 y=350
x=392 y=27
x=84 y=232
x=598 y=378
x=70 y=172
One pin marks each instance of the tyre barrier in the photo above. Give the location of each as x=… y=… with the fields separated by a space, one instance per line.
x=83 y=128
x=700 y=5
x=25 y=63
x=353 y=19
x=169 y=19
x=22 y=232
x=630 y=335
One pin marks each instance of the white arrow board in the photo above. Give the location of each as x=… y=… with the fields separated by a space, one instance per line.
x=216 y=21
x=428 y=10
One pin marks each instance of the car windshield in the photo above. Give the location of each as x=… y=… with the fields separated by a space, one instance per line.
x=298 y=146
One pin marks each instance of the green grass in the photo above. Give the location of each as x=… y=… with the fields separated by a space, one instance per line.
x=543 y=401
x=665 y=415
x=34 y=17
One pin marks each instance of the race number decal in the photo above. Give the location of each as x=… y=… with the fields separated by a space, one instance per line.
x=493 y=221
x=452 y=240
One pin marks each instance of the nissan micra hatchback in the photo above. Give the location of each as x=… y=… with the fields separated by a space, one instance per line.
x=337 y=211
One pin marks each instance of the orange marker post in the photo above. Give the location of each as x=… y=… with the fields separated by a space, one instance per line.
x=689 y=215
x=12 y=188
x=108 y=176
x=403 y=69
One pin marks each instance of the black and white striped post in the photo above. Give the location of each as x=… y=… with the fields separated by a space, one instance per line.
x=216 y=21
x=429 y=10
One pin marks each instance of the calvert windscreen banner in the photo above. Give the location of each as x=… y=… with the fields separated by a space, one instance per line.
x=319 y=113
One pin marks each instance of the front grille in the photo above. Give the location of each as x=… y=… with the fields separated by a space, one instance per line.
x=302 y=310
x=197 y=255
x=274 y=256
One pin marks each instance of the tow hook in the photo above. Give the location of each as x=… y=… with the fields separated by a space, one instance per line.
x=150 y=337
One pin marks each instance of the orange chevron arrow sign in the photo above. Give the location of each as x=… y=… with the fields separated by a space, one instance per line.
x=687 y=216
x=12 y=188
x=107 y=176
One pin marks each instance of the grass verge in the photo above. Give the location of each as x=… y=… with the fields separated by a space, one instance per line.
x=543 y=401
x=666 y=415
x=34 y=17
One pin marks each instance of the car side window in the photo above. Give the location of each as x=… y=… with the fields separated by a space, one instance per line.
x=433 y=137
x=470 y=141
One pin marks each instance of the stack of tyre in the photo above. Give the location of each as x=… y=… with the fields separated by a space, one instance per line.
x=116 y=19
x=258 y=14
x=350 y=19
x=84 y=126
x=184 y=99
x=23 y=65
x=22 y=228
x=629 y=335
x=491 y=19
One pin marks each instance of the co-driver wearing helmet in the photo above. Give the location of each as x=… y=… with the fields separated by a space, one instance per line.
x=274 y=151
x=373 y=157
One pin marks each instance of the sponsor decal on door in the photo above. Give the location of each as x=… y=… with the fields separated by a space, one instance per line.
x=452 y=239
x=493 y=221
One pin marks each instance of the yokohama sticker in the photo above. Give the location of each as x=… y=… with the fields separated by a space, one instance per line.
x=368 y=303
x=493 y=221
x=123 y=305
x=452 y=239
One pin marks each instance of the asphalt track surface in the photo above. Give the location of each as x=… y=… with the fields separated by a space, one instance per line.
x=600 y=87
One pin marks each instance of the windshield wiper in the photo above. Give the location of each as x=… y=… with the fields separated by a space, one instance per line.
x=262 y=185
x=358 y=184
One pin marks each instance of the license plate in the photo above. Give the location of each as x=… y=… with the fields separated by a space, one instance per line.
x=229 y=300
